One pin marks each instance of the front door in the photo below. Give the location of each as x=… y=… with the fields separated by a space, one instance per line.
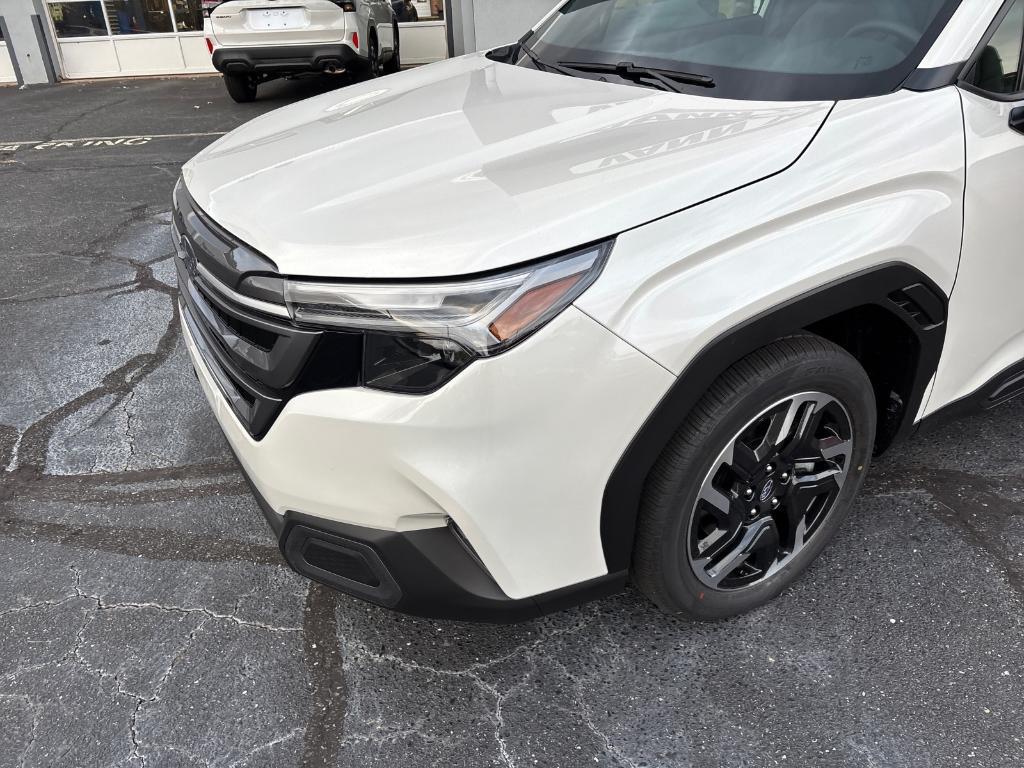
x=985 y=343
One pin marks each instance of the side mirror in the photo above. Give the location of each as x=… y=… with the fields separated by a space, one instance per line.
x=1017 y=119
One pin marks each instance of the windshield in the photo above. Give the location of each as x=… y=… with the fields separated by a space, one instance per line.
x=744 y=49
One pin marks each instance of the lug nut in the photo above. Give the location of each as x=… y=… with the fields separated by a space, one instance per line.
x=784 y=477
x=769 y=469
x=775 y=503
x=748 y=494
x=753 y=513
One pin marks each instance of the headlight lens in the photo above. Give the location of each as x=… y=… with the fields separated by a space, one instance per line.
x=483 y=315
x=417 y=336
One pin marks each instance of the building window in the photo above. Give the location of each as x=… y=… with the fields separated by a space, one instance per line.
x=418 y=10
x=188 y=14
x=138 y=17
x=91 y=18
x=78 y=19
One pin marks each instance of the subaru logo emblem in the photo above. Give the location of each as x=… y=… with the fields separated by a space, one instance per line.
x=767 y=490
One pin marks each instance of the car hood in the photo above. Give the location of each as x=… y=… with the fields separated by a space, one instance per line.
x=470 y=165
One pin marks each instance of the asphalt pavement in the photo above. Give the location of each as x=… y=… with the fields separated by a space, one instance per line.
x=147 y=619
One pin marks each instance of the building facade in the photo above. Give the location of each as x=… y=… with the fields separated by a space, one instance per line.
x=42 y=41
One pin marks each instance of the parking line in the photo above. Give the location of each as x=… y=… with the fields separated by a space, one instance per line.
x=115 y=138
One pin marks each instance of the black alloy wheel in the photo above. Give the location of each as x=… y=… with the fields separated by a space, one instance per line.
x=770 y=490
x=757 y=479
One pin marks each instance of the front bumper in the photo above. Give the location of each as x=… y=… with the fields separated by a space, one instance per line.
x=510 y=457
x=430 y=572
x=319 y=57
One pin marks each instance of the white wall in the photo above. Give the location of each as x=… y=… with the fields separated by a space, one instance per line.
x=18 y=17
x=504 y=21
x=6 y=68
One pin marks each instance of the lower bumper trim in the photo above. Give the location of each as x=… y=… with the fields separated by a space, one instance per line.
x=428 y=573
x=285 y=58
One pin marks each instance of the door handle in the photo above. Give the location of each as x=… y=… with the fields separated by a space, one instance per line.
x=1017 y=119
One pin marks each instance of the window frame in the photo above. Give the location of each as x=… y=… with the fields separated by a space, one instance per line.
x=997 y=21
x=175 y=32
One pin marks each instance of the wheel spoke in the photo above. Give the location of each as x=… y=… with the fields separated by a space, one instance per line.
x=743 y=461
x=834 y=448
x=802 y=503
x=717 y=569
x=810 y=486
x=716 y=501
x=803 y=418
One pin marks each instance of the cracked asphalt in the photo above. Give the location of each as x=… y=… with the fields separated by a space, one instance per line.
x=148 y=620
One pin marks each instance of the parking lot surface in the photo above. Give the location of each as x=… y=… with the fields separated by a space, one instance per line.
x=148 y=619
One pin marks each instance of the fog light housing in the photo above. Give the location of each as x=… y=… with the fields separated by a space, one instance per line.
x=411 y=364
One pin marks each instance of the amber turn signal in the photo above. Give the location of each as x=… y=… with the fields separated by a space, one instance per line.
x=530 y=306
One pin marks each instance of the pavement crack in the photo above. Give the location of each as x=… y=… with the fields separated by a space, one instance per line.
x=105 y=606
x=588 y=720
x=128 y=433
x=505 y=753
x=267 y=745
x=324 y=662
x=31 y=706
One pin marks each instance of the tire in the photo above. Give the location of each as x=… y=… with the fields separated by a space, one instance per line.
x=241 y=88
x=394 y=64
x=716 y=539
x=373 y=63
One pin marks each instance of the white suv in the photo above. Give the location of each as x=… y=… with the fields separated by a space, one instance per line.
x=254 y=41
x=675 y=271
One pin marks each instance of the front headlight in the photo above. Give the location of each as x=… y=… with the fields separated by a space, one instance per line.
x=417 y=335
x=485 y=315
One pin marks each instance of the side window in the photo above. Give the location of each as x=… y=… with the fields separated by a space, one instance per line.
x=998 y=69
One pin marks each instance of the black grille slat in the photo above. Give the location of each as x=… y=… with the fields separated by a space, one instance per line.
x=260 y=361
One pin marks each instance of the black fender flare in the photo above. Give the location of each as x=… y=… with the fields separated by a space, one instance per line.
x=898 y=288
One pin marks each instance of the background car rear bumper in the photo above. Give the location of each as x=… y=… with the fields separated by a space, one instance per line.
x=320 y=57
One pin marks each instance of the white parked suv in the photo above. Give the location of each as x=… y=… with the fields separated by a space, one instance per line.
x=670 y=274
x=254 y=41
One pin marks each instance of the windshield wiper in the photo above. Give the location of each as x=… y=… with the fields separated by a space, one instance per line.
x=669 y=79
x=540 y=64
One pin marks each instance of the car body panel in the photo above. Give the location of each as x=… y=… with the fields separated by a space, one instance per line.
x=236 y=23
x=527 y=500
x=986 y=315
x=723 y=212
x=866 y=192
x=493 y=165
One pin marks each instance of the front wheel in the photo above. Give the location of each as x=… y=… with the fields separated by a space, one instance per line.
x=756 y=481
x=241 y=88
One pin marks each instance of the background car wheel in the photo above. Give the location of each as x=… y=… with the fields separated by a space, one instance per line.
x=394 y=64
x=756 y=481
x=241 y=88
x=373 y=64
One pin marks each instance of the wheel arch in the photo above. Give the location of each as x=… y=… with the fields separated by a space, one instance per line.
x=886 y=316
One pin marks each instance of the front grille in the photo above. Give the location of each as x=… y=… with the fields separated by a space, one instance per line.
x=259 y=359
